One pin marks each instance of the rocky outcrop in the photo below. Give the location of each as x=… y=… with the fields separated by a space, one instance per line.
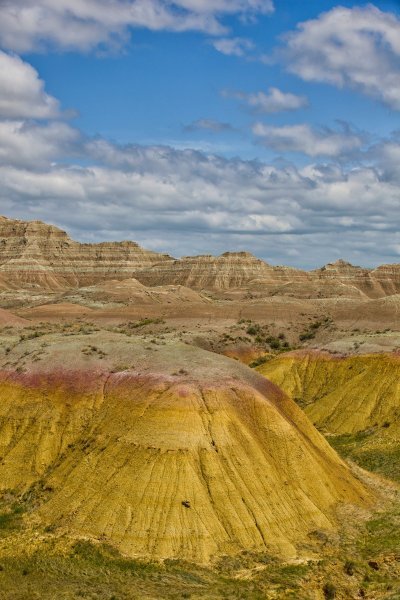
x=230 y=270
x=387 y=277
x=34 y=254
x=355 y=398
x=373 y=283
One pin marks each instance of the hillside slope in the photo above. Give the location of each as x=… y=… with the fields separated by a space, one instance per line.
x=357 y=398
x=163 y=450
x=35 y=255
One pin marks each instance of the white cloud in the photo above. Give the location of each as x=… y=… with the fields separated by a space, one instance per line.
x=208 y=125
x=188 y=201
x=36 y=146
x=228 y=6
x=233 y=46
x=273 y=102
x=355 y=47
x=86 y=24
x=195 y=202
x=302 y=138
x=22 y=94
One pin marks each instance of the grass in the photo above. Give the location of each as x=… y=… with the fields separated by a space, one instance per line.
x=98 y=572
x=60 y=568
x=385 y=461
x=10 y=518
x=382 y=534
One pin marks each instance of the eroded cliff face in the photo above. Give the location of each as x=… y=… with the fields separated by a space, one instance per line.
x=230 y=270
x=34 y=254
x=166 y=452
x=355 y=399
x=373 y=283
x=388 y=278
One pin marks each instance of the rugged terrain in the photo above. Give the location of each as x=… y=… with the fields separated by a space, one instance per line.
x=354 y=399
x=136 y=432
x=139 y=458
x=36 y=255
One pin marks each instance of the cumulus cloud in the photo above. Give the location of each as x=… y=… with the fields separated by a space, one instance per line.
x=273 y=102
x=303 y=138
x=86 y=24
x=208 y=125
x=186 y=201
x=195 y=202
x=233 y=46
x=355 y=47
x=36 y=146
x=22 y=94
x=228 y=6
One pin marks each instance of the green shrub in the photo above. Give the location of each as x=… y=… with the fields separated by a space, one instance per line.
x=329 y=591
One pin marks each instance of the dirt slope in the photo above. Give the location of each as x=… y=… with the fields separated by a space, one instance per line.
x=163 y=450
x=342 y=394
x=356 y=398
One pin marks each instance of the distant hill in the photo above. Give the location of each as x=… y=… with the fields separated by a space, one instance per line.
x=40 y=256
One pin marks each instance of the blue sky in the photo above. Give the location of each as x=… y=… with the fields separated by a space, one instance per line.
x=201 y=126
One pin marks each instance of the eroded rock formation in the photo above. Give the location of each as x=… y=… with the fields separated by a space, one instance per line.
x=168 y=451
x=36 y=255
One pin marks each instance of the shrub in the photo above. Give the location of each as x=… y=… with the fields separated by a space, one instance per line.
x=349 y=567
x=329 y=591
x=252 y=330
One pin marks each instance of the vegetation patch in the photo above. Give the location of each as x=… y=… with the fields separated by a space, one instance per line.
x=385 y=461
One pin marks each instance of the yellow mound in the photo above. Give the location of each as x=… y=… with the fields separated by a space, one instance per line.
x=164 y=451
x=341 y=394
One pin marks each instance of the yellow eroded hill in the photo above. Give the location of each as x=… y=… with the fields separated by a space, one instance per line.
x=357 y=398
x=163 y=450
x=342 y=394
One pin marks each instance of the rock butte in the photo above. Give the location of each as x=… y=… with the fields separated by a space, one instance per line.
x=36 y=255
x=168 y=451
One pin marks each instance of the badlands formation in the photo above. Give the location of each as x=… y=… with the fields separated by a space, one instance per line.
x=194 y=462
x=36 y=255
x=139 y=456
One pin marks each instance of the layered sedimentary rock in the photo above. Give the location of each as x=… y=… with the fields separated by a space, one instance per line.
x=128 y=291
x=355 y=398
x=373 y=283
x=230 y=270
x=35 y=254
x=243 y=270
x=388 y=278
x=167 y=451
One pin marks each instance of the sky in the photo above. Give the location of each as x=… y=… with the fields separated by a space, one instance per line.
x=205 y=126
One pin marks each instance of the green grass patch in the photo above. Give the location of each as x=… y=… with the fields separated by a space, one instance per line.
x=382 y=534
x=384 y=461
x=11 y=518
